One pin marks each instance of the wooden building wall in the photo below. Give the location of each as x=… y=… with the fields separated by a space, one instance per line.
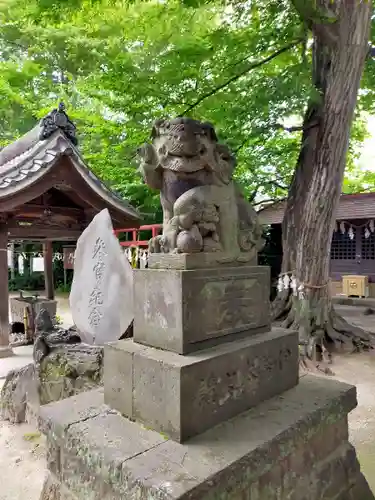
x=354 y=255
x=349 y=255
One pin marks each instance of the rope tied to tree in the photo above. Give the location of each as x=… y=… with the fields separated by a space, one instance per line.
x=309 y=285
x=289 y=281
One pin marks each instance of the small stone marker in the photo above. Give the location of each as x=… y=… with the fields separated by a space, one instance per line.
x=43 y=321
x=101 y=299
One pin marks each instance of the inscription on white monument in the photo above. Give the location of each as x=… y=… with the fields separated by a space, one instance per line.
x=96 y=296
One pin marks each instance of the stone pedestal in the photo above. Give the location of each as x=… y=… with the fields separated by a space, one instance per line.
x=18 y=305
x=291 y=447
x=203 y=403
x=198 y=357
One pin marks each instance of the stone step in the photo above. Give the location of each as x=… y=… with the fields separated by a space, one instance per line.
x=291 y=447
x=182 y=396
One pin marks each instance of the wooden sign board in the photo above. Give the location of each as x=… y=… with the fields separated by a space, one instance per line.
x=69 y=257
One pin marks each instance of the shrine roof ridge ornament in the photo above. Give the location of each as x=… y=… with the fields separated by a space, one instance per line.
x=57 y=119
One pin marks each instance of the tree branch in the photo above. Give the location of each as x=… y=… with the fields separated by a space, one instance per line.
x=320 y=19
x=243 y=143
x=234 y=78
x=279 y=126
x=313 y=13
x=268 y=200
x=266 y=183
x=297 y=128
x=5 y=42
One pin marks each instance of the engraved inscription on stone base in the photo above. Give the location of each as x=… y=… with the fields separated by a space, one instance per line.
x=182 y=396
x=230 y=305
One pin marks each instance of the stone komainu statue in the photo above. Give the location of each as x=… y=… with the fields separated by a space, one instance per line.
x=203 y=208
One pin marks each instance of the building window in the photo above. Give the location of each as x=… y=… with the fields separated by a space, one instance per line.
x=343 y=247
x=368 y=244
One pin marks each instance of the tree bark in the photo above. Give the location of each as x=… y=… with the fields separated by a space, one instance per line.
x=339 y=52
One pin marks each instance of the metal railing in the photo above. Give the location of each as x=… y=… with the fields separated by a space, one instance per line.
x=135 y=233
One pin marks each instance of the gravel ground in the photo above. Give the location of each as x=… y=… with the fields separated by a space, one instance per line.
x=22 y=462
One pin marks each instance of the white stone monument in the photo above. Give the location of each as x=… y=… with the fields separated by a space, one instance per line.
x=101 y=298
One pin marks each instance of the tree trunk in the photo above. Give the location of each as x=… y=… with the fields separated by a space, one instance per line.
x=339 y=52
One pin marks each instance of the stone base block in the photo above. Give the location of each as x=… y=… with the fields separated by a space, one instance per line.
x=184 y=311
x=18 y=305
x=292 y=447
x=182 y=396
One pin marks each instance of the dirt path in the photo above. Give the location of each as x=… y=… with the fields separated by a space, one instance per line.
x=22 y=449
x=359 y=370
x=22 y=462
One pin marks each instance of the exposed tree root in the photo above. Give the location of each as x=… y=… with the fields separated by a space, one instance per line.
x=309 y=365
x=321 y=336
